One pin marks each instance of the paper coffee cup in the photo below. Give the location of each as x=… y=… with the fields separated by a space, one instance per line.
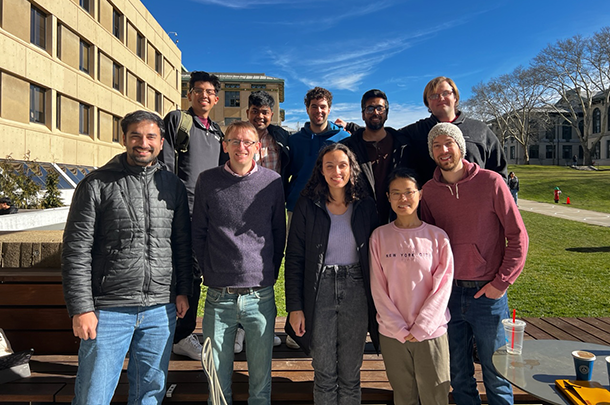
x=583 y=364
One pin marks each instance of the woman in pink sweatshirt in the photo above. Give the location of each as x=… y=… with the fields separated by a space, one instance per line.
x=411 y=277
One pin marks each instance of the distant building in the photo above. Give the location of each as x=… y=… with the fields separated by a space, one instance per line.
x=234 y=93
x=70 y=69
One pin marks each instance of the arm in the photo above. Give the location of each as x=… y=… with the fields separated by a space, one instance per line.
x=433 y=312
x=295 y=258
x=182 y=305
x=200 y=221
x=182 y=249
x=495 y=159
x=278 y=226
x=167 y=155
x=389 y=316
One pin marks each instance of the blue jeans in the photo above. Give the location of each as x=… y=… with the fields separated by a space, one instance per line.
x=515 y=195
x=477 y=320
x=256 y=313
x=147 y=333
x=339 y=334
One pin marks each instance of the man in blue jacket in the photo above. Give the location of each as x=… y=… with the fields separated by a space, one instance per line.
x=305 y=144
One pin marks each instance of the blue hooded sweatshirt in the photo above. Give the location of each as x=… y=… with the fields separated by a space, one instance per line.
x=304 y=148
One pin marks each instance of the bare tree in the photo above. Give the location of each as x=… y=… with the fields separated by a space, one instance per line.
x=512 y=103
x=576 y=74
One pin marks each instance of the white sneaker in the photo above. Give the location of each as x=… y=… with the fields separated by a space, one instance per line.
x=291 y=343
x=239 y=340
x=189 y=347
x=276 y=340
x=5 y=345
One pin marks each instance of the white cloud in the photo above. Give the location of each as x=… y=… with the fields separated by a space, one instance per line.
x=240 y=4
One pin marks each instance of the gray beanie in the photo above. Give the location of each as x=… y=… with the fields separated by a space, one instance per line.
x=452 y=131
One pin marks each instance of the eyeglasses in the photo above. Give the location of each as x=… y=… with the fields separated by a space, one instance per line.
x=395 y=195
x=237 y=142
x=436 y=96
x=209 y=92
x=372 y=108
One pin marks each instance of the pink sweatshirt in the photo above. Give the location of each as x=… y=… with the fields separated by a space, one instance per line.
x=488 y=237
x=411 y=279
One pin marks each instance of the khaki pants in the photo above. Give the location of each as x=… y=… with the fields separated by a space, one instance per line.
x=418 y=371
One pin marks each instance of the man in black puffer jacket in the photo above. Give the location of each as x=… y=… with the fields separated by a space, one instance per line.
x=127 y=267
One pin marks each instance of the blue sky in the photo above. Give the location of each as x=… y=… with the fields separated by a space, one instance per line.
x=351 y=46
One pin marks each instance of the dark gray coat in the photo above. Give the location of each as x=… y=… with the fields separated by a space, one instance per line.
x=127 y=240
x=305 y=252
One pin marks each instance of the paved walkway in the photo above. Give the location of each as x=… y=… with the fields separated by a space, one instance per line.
x=566 y=212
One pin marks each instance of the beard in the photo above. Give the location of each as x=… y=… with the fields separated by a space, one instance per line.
x=374 y=126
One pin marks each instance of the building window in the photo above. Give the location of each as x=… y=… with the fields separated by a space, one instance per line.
x=566 y=131
x=158 y=102
x=84 y=56
x=116 y=129
x=37 y=104
x=140 y=91
x=534 y=151
x=230 y=120
x=596 y=151
x=116 y=24
x=84 y=119
x=549 y=151
x=550 y=133
x=259 y=86
x=566 y=152
x=597 y=121
x=38 y=28
x=58 y=111
x=158 y=62
x=512 y=152
x=116 y=76
x=231 y=98
x=607 y=149
x=608 y=118
x=86 y=4
x=231 y=86
x=140 y=46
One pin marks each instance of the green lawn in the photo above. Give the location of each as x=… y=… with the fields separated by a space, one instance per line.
x=567 y=272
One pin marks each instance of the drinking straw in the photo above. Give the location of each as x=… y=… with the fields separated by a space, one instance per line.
x=512 y=341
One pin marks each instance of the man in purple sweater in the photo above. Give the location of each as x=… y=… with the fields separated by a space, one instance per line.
x=489 y=242
x=239 y=231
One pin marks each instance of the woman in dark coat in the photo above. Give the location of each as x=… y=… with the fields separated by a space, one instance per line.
x=328 y=294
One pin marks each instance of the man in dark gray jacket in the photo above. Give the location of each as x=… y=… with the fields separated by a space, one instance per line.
x=127 y=267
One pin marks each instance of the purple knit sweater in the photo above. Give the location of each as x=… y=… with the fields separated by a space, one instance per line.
x=239 y=227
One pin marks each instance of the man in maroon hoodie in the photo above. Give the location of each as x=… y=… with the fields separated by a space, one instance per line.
x=489 y=242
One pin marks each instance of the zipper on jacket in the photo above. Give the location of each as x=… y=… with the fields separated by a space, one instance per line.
x=144 y=179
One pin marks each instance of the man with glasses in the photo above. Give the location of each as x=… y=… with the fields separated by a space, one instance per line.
x=378 y=149
x=239 y=231
x=442 y=97
x=187 y=157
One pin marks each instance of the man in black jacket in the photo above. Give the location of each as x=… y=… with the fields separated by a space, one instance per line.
x=378 y=149
x=127 y=267
x=203 y=152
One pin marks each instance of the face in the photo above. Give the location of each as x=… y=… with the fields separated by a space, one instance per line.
x=446 y=152
x=404 y=196
x=260 y=116
x=443 y=106
x=375 y=120
x=143 y=141
x=202 y=98
x=318 y=111
x=234 y=145
x=336 y=169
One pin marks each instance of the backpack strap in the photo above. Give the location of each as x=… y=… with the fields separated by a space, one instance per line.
x=183 y=136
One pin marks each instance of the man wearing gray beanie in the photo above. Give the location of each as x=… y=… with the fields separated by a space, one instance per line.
x=489 y=242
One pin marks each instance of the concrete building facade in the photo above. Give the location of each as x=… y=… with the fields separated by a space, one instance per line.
x=71 y=69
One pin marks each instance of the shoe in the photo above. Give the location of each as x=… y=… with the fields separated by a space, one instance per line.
x=291 y=343
x=276 y=340
x=189 y=347
x=239 y=341
x=5 y=345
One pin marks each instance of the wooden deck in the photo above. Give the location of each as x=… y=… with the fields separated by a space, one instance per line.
x=53 y=375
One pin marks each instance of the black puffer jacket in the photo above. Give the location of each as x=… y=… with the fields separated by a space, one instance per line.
x=305 y=252
x=127 y=240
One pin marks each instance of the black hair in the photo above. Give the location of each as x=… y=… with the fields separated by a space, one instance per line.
x=403 y=173
x=317 y=187
x=201 y=76
x=260 y=99
x=139 y=116
x=374 y=93
x=6 y=200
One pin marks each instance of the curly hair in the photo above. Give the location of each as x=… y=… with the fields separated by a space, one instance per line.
x=318 y=93
x=317 y=187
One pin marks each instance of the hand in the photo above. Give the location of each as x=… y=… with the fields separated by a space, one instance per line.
x=411 y=338
x=340 y=122
x=84 y=325
x=182 y=305
x=490 y=292
x=297 y=321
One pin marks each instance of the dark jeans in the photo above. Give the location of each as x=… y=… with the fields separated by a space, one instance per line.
x=339 y=334
x=185 y=326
